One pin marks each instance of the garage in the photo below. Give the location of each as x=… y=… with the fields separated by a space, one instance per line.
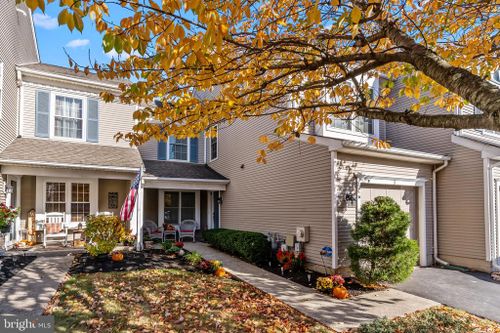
x=405 y=196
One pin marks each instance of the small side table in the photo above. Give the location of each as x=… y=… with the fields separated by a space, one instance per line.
x=75 y=232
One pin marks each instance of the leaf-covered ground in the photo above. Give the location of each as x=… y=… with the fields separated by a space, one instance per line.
x=173 y=300
x=435 y=320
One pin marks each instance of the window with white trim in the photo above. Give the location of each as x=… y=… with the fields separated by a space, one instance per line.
x=358 y=124
x=179 y=206
x=55 y=197
x=214 y=145
x=178 y=149
x=68 y=117
x=80 y=201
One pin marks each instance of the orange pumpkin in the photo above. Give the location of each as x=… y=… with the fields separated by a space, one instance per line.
x=340 y=292
x=220 y=272
x=117 y=256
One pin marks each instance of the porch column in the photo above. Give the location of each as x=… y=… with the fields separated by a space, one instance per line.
x=335 y=247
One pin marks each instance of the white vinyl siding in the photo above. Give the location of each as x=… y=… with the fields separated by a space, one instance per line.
x=1 y=88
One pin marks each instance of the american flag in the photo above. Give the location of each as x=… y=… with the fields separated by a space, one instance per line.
x=129 y=204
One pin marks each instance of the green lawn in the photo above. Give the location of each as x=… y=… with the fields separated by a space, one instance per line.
x=171 y=300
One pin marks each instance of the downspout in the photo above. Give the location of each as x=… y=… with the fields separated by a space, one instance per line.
x=491 y=214
x=434 y=213
x=335 y=245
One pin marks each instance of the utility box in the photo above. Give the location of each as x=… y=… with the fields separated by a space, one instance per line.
x=290 y=240
x=302 y=234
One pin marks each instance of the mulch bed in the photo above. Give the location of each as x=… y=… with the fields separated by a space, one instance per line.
x=133 y=261
x=9 y=266
x=354 y=287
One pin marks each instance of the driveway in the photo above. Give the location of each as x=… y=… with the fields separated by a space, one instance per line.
x=474 y=292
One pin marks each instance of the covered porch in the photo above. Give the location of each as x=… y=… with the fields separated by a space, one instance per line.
x=174 y=192
x=42 y=182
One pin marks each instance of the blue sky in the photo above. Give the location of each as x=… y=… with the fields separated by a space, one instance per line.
x=52 y=40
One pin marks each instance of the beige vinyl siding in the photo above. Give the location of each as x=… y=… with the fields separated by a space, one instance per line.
x=16 y=46
x=113 y=117
x=460 y=201
x=292 y=189
x=149 y=150
x=112 y=185
x=349 y=166
x=431 y=140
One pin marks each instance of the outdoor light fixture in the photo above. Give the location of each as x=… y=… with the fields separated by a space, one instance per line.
x=309 y=277
x=350 y=198
x=219 y=200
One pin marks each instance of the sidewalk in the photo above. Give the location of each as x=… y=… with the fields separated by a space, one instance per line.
x=29 y=291
x=337 y=314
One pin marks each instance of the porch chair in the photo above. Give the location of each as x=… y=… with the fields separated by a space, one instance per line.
x=187 y=228
x=152 y=230
x=55 y=228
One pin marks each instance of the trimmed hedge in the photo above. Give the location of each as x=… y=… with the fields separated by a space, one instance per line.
x=249 y=245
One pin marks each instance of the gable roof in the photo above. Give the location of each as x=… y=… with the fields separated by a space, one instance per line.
x=51 y=153
x=180 y=170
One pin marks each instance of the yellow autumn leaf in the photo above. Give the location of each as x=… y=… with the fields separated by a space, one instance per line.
x=311 y=140
x=355 y=15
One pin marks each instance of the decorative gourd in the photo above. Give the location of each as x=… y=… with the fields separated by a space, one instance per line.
x=340 y=292
x=220 y=272
x=117 y=256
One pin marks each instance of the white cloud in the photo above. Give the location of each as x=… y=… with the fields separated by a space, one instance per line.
x=124 y=55
x=45 y=21
x=77 y=43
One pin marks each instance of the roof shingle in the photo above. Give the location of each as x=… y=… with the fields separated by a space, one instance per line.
x=61 y=152
x=168 y=169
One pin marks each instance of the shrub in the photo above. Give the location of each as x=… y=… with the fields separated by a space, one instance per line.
x=194 y=258
x=173 y=249
x=431 y=320
x=167 y=245
x=251 y=246
x=103 y=233
x=381 y=251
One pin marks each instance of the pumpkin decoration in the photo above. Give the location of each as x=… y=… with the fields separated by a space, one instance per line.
x=117 y=256
x=340 y=292
x=220 y=272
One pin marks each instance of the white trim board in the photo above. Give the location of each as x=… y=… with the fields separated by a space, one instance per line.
x=68 y=165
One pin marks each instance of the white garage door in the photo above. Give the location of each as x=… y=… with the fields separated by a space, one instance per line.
x=405 y=196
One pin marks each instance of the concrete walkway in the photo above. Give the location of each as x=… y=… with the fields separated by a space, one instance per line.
x=337 y=314
x=473 y=292
x=29 y=291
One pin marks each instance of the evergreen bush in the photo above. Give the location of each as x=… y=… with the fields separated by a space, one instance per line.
x=381 y=251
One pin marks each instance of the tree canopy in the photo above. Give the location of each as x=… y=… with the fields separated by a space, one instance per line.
x=299 y=61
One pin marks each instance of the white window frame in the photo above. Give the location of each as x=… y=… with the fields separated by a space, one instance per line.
x=84 y=99
x=41 y=199
x=161 y=206
x=2 y=76
x=210 y=144
x=354 y=135
x=188 y=140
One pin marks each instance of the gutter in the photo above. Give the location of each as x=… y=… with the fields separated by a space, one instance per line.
x=434 y=213
x=67 y=165
x=194 y=180
x=68 y=78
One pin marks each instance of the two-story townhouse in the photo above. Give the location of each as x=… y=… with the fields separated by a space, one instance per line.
x=17 y=46
x=467 y=214
x=64 y=157
x=58 y=152
x=322 y=186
